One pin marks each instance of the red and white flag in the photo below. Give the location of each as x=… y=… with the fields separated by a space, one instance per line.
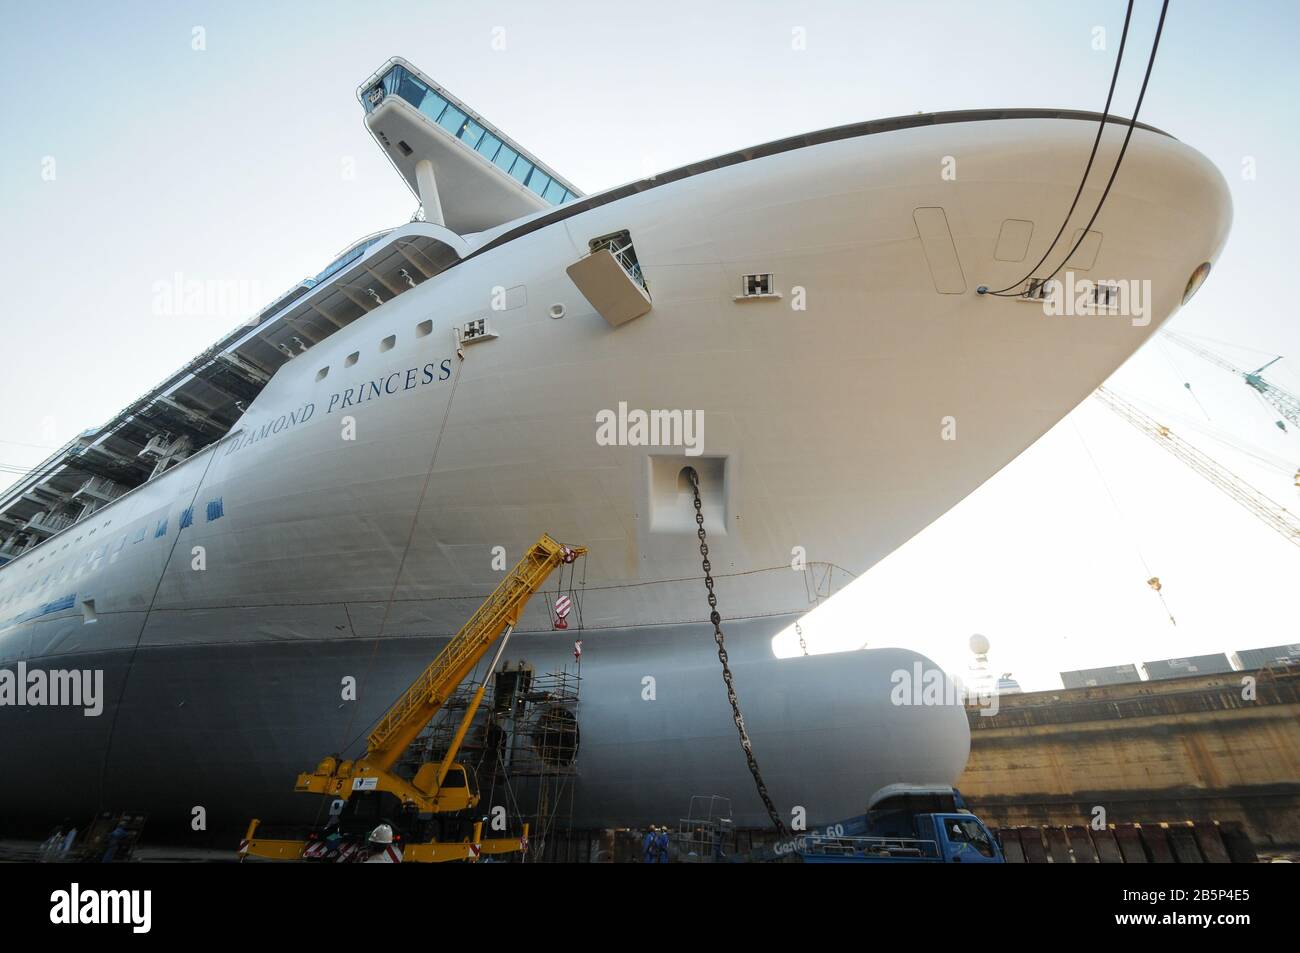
x=577 y=649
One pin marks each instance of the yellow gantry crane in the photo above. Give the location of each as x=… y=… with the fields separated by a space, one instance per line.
x=1267 y=511
x=437 y=787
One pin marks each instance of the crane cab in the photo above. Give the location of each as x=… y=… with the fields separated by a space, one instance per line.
x=459 y=790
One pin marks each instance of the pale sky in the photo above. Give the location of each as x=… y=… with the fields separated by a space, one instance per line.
x=230 y=163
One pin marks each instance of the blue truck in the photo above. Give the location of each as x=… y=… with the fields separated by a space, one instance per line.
x=913 y=824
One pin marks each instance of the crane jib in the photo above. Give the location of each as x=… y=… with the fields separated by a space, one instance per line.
x=430 y=690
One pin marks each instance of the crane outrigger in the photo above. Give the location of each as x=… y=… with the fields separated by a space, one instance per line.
x=437 y=788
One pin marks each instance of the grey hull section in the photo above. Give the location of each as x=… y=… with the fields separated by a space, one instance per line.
x=227 y=727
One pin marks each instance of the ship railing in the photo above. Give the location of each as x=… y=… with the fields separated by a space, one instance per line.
x=50 y=522
x=626 y=256
x=832 y=846
x=100 y=488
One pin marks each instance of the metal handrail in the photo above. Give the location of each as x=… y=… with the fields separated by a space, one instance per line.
x=830 y=844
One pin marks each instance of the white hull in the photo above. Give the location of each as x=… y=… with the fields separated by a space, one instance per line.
x=823 y=428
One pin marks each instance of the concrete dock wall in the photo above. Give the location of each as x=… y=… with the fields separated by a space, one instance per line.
x=1210 y=747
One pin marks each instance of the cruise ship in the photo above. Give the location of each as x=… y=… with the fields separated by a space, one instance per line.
x=325 y=495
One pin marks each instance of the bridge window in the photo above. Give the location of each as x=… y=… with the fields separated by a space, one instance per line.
x=451 y=119
x=505 y=158
x=471 y=133
x=538 y=181
x=431 y=105
x=488 y=146
x=399 y=81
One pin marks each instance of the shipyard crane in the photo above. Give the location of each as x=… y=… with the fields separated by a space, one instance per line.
x=1286 y=403
x=1266 y=510
x=443 y=787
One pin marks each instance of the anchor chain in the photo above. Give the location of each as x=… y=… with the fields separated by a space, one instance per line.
x=719 y=638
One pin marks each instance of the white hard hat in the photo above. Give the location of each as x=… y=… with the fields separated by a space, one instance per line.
x=383 y=834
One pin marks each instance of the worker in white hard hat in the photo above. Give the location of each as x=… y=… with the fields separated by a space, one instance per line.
x=383 y=848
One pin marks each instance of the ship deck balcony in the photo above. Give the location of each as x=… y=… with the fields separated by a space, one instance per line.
x=48 y=524
x=98 y=490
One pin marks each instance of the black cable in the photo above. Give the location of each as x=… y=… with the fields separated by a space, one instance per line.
x=1155 y=45
x=1101 y=127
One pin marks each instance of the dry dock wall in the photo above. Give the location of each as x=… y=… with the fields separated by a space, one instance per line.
x=1209 y=747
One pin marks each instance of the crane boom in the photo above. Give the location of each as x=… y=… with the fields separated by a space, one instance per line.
x=1286 y=403
x=421 y=701
x=429 y=790
x=443 y=787
x=1266 y=510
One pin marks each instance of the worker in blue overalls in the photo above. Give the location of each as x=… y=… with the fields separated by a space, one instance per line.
x=648 y=847
x=661 y=846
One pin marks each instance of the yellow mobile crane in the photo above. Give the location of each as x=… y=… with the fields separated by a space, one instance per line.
x=438 y=787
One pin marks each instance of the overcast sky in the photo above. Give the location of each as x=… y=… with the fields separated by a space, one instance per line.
x=129 y=156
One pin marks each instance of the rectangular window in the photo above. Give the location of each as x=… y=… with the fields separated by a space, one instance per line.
x=521 y=168
x=554 y=193
x=452 y=119
x=538 y=181
x=187 y=517
x=216 y=509
x=433 y=105
x=505 y=158
x=471 y=134
x=162 y=528
x=488 y=146
x=411 y=89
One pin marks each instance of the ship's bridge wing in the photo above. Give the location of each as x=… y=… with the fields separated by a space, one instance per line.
x=467 y=173
x=202 y=401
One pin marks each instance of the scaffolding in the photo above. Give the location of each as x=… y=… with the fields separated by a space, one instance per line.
x=707 y=834
x=522 y=745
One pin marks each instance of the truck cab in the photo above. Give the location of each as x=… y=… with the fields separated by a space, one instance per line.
x=906 y=824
